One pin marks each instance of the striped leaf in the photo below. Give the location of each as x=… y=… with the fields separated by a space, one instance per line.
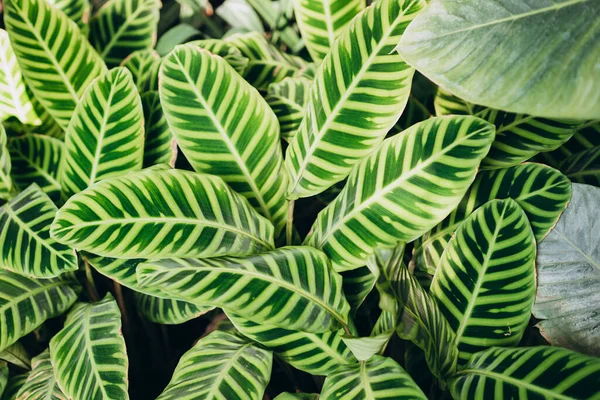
x=357 y=96
x=291 y=287
x=25 y=242
x=15 y=101
x=15 y=383
x=25 y=303
x=106 y=134
x=405 y=187
x=485 y=282
x=88 y=354
x=56 y=60
x=205 y=216
x=583 y=167
x=123 y=26
x=220 y=366
x=48 y=126
x=159 y=144
x=524 y=373
x=586 y=136
x=17 y=355
x=6 y=183
x=143 y=65
x=227 y=51
x=378 y=378
x=314 y=353
x=3 y=376
x=225 y=128
x=357 y=284
x=297 y=396
x=41 y=383
x=542 y=192
x=322 y=21
x=77 y=10
x=37 y=159
x=288 y=100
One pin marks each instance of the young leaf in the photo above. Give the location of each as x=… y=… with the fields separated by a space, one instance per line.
x=56 y=60
x=143 y=65
x=288 y=100
x=6 y=183
x=159 y=144
x=407 y=185
x=227 y=51
x=41 y=383
x=358 y=94
x=88 y=354
x=220 y=366
x=159 y=213
x=291 y=287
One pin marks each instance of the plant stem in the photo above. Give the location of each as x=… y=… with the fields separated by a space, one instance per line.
x=89 y=280
x=120 y=301
x=289 y=226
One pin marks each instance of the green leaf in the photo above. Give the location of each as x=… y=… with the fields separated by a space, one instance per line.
x=297 y=396
x=485 y=282
x=25 y=303
x=227 y=51
x=178 y=34
x=56 y=77
x=13 y=386
x=123 y=26
x=41 y=383
x=378 y=378
x=220 y=366
x=240 y=15
x=77 y=10
x=357 y=96
x=501 y=54
x=568 y=274
x=6 y=183
x=583 y=167
x=17 y=355
x=37 y=159
x=159 y=145
x=291 y=287
x=201 y=211
x=535 y=372
x=406 y=186
x=106 y=134
x=225 y=128
x=357 y=284
x=288 y=100
x=586 y=136
x=143 y=65
x=25 y=242
x=322 y=21
x=88 y=354
x=3 y=376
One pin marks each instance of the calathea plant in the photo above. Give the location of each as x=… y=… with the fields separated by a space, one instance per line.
x=369 y=201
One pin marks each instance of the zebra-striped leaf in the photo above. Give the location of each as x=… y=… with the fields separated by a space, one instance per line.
x=357 y=96
x=6 y=183
x=225 y=128
x=378 y=378
x=358 y=283
x=159 y=144
x=227 y=51
x=288 y=100
x=485 y=282
x=77 y=10
x=105 y=137
x=143 y=65
x=583 y=167
x=406 y=186
x=25 y=242
x=25 y=303
x=291 y=287
x=56 y=60
x=162 y=213
x=88 y=354
x=14 y=384
x=220 y=366
x=524 y=373
x=322 y=21
x=122 y=27
x=17 y=355
x=586 y=136
x=41 y=383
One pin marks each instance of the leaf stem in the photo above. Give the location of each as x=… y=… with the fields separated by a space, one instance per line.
x=289 y=226
x=120 y=301
x=89 y=281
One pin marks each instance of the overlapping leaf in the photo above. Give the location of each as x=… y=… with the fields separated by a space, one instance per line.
x=77 y=10
x=6 y=183
x=3 y=376
x=159 y=144
x=288 y=100
x=587 y=136
x=17 y=355
x=227 y=51
x=13 y=386
x=41 y=383
x=144 y=66
x=358 y=283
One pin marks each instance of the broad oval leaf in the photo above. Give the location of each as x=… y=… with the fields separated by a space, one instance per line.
x=227 y=51
x=406 y=186
x=88 y=354
x=291 y=287
x=534 y=372
x=485 y=282
x=41 y=383
x=144 y=66
x=513 y=45
x=225 y=128
x=159 y=144
x=288 y=100
x=105 y=137
x=357 y=284
x=25 y=303
x=57 y=78
x=220 y=366
x=162 y=213
x=358 y=94
x=6 y=183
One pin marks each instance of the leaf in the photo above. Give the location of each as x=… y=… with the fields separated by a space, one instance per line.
x=288 y=100
x=3 y=376
x=583 y=167
x=358 y=94
x=322 y=21
x=357 y=285
x=499 y=54
x=14 y=98
x=77 y=10
x=159 y=144
x=220 y=366
x=431 y=165
x=13 y=386
x=378 y=378
x=143 y=65
x=17 y=355
x=240 y=15
x=586 y=136
x=122 y=27
x=88 y=354
x=178 y=34
x=6 y=184
x=485 y=282
x=314 y=353
x=291 y=287
x=57 y=78
x=106 y=134
x=41 y=383
x=227 y=51
x=534 y=372
x=206 y=217
x=37 y=159
x=225 y=129
x=542 y=192
x=27 y=247
x=568 y=273
x=297 y=396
